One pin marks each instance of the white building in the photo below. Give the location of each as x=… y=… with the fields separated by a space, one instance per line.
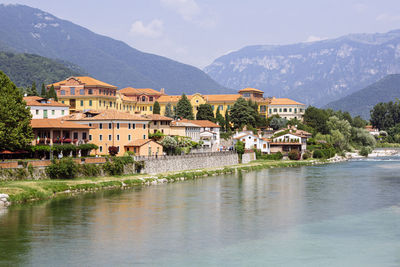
x=286 y=108
x=42 y=108
x=252 y=141
x=286 y=140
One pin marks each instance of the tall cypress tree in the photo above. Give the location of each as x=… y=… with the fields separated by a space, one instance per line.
x=43 y=92
x=227 y=122
x=52 y=93
x=15 y=128
x=220 y=119
x=184 y=108
x=32 y=91
x=156 y=108
x=168 y=111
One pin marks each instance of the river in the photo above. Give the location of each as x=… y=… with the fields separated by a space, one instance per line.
x=345 y=214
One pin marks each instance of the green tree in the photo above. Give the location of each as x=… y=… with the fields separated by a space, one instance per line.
x=220 y=120
x=43 y=92
x=15 y=128
x=52 y=93
x=184 y=108
x=168 y=111
x=278 y=123
x=227 y=122
x=32 y=91
x=205 y=112
x=156 y=108
x=241 y=114
x=359 y=122
x=316 y=118
x=169 y=144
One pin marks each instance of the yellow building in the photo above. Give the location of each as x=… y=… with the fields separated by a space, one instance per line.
x=112 y=128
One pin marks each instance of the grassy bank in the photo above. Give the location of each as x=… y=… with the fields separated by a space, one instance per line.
x=24 y=191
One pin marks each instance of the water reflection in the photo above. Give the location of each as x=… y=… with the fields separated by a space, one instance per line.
x=143 y=225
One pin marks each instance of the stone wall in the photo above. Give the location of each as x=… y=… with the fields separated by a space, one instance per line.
x=247 y=157
x=188 y=162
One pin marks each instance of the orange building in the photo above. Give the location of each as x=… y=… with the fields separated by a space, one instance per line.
x=145 y=147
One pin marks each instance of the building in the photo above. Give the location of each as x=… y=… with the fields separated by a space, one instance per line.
x=145 y=147
x=58 y=131
x=159 y=123
x=372 y=131
x=144 y=97
x=286 y=108
x=252 y=141
x=209 y=133
x=42 y=108
x=290 y=139
x=112 y=128
x=185 y=128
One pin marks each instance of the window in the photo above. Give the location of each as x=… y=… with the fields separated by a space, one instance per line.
x=155 y=123
x=110 y=104
x=285 y=110
x=101 y=137
x=270 y=110
x=90 y=103
x=129 y=125
x=117 y=125
x=45 y=114
x=290 y=110
x=62 y=92
x=99 y=103
x=275 y=110
x=53 y=112
x=82 y=91
x=117 y=137
x=280 y=110
x=229 y=107
x=144 y=126
x=84 y=136
x=109 y=137
x=62 y=101
x=129 y=137
x=246 y=94
x=90 y=137
x=133 y=126
x=81 y=103
x=100 y=148
x=151 y=108
x=295 y=110
x=109 y=126
x=143 y=98
x=90 y=92
x=100 y=126
x=220 y=107
x=72 y=90
x=37 y=112
x=144 y=136
x=151 y=98
x=90 y=125
x=114 y=104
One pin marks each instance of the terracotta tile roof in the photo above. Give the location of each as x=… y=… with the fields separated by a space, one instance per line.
x=88 y=81
x=249 y=89
x=104 y=115
x=139 y=91
x=157 y=117
x=56 y=124
x=36 y=101
x=203 y=123
x=140 y=142
x=283 y=101
x=183 y=123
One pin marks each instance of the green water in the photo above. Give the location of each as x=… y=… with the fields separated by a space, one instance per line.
x=345 y=214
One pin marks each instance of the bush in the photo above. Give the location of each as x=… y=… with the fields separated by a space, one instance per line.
x=294 y=155
x=113 y=150
x=157 y=136
x=65 y=168
x=307 y=155
x=275 y=156
x=365 y=150
x=116 y=165
x=86 y=148
x=90 y=170
x=324 y=153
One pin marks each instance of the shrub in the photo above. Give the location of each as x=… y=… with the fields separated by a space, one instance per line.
x=318 y=154
x=294 y=155
x=90 y=170
x=275 y=156
x=113 y=168
x=86 y=148
x=324 y=153
x=113 y=150
x=365 y=150
x=157 y=136
x=307 y=155
x=65 y=168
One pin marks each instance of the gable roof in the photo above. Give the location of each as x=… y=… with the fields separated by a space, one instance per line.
x=86 y=80
x=56 y=124
x=104 y=115
x=140 y=142
x=203 y=123
x=249 y=89
x=37 y=101
x=139 y=91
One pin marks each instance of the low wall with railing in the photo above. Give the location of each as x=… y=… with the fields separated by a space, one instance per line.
x=162 y=164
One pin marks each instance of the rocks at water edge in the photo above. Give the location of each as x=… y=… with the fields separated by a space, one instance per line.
x=4 y=200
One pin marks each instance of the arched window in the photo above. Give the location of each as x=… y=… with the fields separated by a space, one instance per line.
x=143 y=98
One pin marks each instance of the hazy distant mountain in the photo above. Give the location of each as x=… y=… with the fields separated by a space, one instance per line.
x=362 y=101
x=315 y=73
x=24 y=69
x=30 y=30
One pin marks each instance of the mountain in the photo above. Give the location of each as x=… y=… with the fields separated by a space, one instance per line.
x=30 y=30
x=24 y=69
x=314 y=73
x=362 y=101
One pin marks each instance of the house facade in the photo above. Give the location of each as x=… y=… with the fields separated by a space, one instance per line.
x=42 y=108
x=144 y=147
x=286 y=108
x=252 y=141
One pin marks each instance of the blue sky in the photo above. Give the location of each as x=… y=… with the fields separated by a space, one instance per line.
x=198 y=31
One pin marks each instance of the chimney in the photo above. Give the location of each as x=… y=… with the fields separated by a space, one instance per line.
x=162 y=91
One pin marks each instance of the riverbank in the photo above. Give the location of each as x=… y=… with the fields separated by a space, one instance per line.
x=27 y=191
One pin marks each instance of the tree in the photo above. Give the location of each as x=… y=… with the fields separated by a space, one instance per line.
x=359 y=122
x=156 y=108
x=43 y=92
x=15 y=128
x=184 y=108
x=169 y=144
x=241 y=114
x=278 y=123
x=227 y=122
x=32 y=91
x=343 y=126
x=168 y=111
x=220 y=120
x=52 y=93
x=316 y=118
x=205 y=112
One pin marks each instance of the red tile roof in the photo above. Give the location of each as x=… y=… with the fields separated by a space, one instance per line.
x=56 y=124
x=37 y=101
x=87 y=81
x=140 y=142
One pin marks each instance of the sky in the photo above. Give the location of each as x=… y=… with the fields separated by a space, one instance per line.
x=196 y=32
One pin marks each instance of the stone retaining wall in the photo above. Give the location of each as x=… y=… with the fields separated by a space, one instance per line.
x=188 y=162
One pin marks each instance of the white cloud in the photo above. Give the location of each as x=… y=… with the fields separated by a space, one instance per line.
x=190 y=11
x=313 y=38
x=153 y=30
x=384 y=17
